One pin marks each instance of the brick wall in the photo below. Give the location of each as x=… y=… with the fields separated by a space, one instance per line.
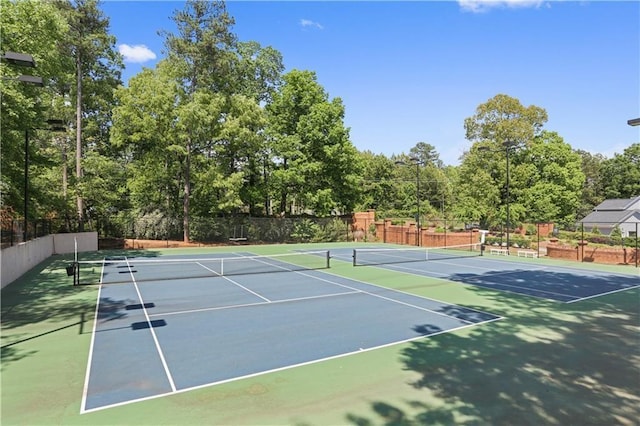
x=586 y=253
x=406 y=234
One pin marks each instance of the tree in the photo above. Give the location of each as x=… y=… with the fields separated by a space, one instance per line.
x=504 y=119
x=144 y=130
x=548 y=180
x=426 y=153
x=313 y=157
x=621 y=174
x=592 y=192
x=202 y=54
x=378 y=183
x=479 y=197
x=97 y=72
x=35 y=28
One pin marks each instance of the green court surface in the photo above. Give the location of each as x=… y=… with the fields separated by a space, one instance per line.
x=544 y=363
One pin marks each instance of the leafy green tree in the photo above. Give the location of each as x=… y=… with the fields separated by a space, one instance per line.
x=201 y=53
x=312 y=155
x=97 y=66
x=621 y=174
x=378 y=183
x=592 y=192
x=258 y=70
x=34 y=28
x=479 y=196
x=545 y=179
x=426 y=154
x=548 y=179
x=504 y=119
x=145 y=133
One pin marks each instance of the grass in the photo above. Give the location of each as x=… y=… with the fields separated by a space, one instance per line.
x=545 y=363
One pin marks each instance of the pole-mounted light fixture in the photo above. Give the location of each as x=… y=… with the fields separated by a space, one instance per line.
x=23 y=60
x=418 y=163
x=508 y=145
x=634 y=122
x=19 y=59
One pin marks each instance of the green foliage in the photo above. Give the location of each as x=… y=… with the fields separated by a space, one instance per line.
x=304 y=231
x=314 y=163
x=620 y=175
x=514 y=240
x=215 y=130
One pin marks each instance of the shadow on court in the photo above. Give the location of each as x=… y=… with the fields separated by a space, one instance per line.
x=44 y=302
x=550 y=284
x=545 y=364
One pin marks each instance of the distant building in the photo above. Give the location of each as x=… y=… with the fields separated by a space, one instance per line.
x=623 y=213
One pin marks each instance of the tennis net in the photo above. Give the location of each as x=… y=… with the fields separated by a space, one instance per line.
x=382 y=256
x=127 y=270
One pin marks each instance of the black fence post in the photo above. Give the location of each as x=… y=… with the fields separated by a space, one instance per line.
x=582 y=241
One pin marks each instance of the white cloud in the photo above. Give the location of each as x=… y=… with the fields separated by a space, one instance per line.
x=138 y=53
x=478 y=6
x=308 y=23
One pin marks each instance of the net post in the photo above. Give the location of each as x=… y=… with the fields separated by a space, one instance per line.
x=328 y=259
x=222 y=266
x=354 y=257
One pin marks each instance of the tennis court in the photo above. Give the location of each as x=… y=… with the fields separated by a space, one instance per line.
x=466 y=264
x=171 y=324
x=193 y=344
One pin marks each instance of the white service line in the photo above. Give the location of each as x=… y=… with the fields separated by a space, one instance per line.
x=603 y=294
x=153 y=333
x=377 y=295
x=85 y=389
x=260 y=373
x=244 y=305
x=235 y=283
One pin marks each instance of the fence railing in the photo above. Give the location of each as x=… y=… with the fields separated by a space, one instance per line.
x=226 y=229
x=13 y=231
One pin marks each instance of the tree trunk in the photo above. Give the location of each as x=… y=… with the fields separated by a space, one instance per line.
x=283 y=195
x=65 y=184
x=187 y=193
x=79 y=200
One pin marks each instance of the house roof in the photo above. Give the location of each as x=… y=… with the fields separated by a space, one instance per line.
x=610 y=218
x=616 y=204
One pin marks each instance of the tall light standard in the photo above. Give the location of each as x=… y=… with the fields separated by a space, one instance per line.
x=24 y=60
x=418 y=163
x=508 y=146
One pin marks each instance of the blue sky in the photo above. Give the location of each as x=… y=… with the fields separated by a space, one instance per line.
x=411 y=72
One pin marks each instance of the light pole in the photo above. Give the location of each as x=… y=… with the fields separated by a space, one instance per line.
x=417 y=163
x=508 y=145
x=24 y=60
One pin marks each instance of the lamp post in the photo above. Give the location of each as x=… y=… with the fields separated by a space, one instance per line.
x=24 y=60
x=417 y=163
x=508 y=145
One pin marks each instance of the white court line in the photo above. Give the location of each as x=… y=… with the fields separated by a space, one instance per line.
x=604 y=294
x=85 y=388
x=153 y=332
x=244 y=305
x=274 y=370
x=235 y=283
x=523 y=288
x=377 y=295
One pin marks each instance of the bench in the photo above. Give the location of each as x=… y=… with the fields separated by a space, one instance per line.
x=527 y=253
x=499 y=252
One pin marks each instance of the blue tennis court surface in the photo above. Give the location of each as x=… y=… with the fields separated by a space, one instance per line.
x=156 y=335
x=529 y=277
